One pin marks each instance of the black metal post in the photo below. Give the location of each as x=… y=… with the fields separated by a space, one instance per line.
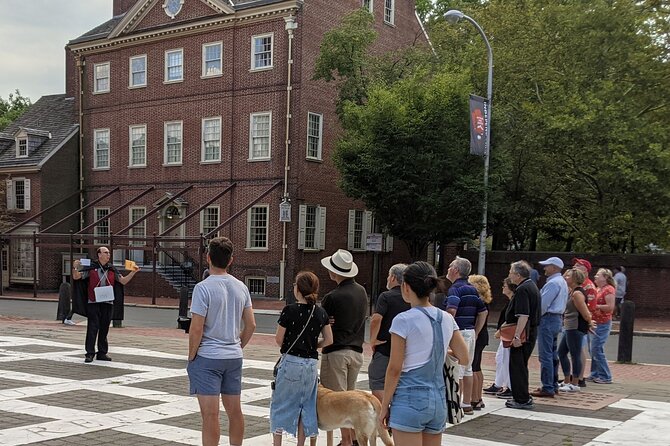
x=153 y=274
x=625 y=353
x=34 y=264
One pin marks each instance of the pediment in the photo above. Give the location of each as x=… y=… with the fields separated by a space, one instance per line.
x=150 y=14
x=167 y=199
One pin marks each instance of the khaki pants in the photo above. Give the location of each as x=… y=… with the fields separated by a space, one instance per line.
x=339 y=369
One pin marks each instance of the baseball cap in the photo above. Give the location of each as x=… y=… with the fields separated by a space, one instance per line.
x=553 y=261
x=585 y=263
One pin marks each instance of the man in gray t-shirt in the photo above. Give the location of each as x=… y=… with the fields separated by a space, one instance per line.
x=221 y=326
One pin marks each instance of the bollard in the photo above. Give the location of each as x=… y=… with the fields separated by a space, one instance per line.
x=625 y=353
x=64 y=293
x=183 y=321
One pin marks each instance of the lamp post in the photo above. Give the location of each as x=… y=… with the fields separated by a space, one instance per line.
x=452 y=17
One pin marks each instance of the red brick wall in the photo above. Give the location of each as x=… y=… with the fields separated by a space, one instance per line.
x=190 y=11
x=121 y=6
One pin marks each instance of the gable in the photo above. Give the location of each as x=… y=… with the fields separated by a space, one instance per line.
x=150 y=14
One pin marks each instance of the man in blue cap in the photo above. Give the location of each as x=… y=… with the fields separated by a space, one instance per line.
x=554 y=296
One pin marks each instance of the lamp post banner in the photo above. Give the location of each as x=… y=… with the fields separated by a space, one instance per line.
x=478 y=125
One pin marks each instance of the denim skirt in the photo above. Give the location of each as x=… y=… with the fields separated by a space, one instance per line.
x=294 y=397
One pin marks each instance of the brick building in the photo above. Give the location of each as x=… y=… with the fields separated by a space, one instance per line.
x=217 y=97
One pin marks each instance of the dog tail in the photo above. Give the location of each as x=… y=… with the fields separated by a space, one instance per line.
x=384 y=435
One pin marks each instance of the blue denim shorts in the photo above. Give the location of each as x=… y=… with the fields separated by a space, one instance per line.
x=419 y=409
x=215 y=376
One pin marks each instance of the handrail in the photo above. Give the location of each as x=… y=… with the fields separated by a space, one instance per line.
x=117 y=210
x=82 y=209
x=29 y=219
x=185 y=219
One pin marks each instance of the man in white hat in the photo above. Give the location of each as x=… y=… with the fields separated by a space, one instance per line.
x=554 y=296
x=346 y=306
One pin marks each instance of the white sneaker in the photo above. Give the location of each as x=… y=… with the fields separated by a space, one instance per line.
x=69 y=322
x=569 y=388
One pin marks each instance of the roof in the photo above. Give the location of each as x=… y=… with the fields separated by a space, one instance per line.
x=55 y=114
x=104 y=30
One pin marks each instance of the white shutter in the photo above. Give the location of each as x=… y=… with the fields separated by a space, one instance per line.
x=350 y=231
x=388 y=244
x=302 y=217
x=26 y=189
x=10 y=194
x=322 y=228
x=367 y=228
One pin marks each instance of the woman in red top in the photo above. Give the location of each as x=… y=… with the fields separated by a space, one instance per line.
x=602 y=315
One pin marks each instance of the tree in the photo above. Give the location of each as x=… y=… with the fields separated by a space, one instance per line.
x=12 y=108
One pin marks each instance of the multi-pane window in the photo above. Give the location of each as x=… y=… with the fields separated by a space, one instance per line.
x=211 y=59
x=174 y=65
x=314 y=135
x=257 y=233
x=138 y=145
x=311 y=227
x=139 y=230
x=261 y=52
x=256 y=286
x=210 y=220
x=101 y=230
x=358 y=230
x=18 y=194
x=173 y=142
x=360 y=224
x=259 y=136
x=101 y=78
x=23 y=266
x=389 y=11
x=367 y=4
x=138 y=71
x=211 y=139
x=22 y=147
x=101 y=149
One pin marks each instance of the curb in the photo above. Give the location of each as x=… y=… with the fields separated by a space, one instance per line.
x=641 y=334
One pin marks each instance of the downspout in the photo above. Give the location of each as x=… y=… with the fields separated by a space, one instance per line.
x=80 y=66
x=290 y=26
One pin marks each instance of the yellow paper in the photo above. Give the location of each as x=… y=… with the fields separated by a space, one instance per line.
x=130 y=265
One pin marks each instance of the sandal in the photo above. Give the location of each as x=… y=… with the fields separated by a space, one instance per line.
x=478 y=405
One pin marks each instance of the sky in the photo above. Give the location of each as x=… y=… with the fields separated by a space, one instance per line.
x=33 y=35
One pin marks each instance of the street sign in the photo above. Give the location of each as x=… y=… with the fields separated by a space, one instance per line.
x=373 y=242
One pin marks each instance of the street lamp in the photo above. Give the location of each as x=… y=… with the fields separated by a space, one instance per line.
x=452 y=17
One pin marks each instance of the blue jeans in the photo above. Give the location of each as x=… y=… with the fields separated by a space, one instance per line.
x=547 y=346
x=571 y=342
x=599 y=367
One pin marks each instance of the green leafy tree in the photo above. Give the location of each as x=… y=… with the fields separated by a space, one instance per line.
x=12 y=108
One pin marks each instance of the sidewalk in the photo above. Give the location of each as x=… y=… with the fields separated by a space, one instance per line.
x=644 y=326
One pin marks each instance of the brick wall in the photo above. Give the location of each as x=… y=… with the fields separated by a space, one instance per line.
x=121 y=6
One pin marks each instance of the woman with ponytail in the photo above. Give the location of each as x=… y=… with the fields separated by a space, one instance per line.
x=293 y=406
x=414 y=391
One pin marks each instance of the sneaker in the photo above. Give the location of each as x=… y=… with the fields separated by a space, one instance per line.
x=582 y=383
x=69 y=322
x=493 y=389
x=506 y=395
x=541 y=393
x=529 y=405
x=588 y=378
x=89 y=358
x=602 y=381
x=104 y=358
x=569 y=388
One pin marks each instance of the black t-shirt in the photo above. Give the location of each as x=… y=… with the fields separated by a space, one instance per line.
x=389 y=304
x=526 y=301
x=293 y=318
x=347 y=304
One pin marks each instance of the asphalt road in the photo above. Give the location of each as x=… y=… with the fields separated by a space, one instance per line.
x=646 y=349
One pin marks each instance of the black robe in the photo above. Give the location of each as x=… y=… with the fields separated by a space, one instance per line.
x=80 y=293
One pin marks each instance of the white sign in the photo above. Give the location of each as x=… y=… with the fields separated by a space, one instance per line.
x=285 y=211
x=373 y=242
x=272 y=279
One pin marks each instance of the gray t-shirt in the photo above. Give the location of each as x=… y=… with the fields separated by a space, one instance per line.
x=220 y=299
x=621 y=282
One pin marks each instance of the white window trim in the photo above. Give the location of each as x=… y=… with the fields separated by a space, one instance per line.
x=320 y=230
x=18 y=143
x=95 y=78
x=131 y=221
x=165 y=144
x=251 y=137
x=267 y=228
x=319 y=156
x=130 y=146
x=202 y=218
x=202 y=140
x=96 y=234
x=272 y=52
x=204 y=74
x=392 y=21
x=11 y=194
x=371 y=7
x=165 y=66
x=95 y=150
x=130 y=71
x=367 y=228
x=265 y=284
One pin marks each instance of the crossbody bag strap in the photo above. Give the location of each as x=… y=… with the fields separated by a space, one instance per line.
x=104 y=276
x=303 y=330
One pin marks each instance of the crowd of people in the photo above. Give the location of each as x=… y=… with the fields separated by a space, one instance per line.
x=427 y=335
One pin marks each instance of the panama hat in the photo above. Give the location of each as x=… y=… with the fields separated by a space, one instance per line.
x=341 y=263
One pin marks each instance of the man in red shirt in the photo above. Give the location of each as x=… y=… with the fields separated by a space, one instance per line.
x=590 y=294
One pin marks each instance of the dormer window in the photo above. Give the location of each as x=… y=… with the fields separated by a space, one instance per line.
x=22 y=147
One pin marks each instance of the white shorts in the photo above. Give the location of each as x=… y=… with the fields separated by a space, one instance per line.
x=470 y=338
